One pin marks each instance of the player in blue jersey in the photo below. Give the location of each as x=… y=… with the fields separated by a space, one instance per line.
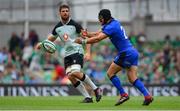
x=127 y=56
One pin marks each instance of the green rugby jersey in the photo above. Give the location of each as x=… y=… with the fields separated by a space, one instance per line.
x=68 y=33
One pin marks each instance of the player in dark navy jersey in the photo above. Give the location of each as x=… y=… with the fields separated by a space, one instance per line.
x=127 y=56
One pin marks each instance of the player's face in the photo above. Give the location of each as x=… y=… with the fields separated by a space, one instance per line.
x=101 y=20
x=64 y=13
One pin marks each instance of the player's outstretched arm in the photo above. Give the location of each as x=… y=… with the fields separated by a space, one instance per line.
x=86 y=34
x=50 y=37
x=93 y=39
x=87 y=55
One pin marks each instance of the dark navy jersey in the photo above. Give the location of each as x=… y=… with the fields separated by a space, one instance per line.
x=117 y=35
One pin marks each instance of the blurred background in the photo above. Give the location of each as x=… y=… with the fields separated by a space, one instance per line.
x=153 y=27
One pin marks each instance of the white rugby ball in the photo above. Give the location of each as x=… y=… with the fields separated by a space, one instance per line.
x=49 y=46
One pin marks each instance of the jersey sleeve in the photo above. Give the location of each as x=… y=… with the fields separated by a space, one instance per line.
x=78 y=27
x=108 y=30
x=54 y=33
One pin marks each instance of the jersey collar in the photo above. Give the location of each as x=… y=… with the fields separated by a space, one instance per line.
x=66 y=22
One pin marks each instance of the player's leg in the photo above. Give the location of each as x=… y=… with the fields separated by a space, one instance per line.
x=85 y=78
x=132 y=68
x=73 y=66
x=78 y=64
x=80 y=87
x=132 y=76
x=113 y=69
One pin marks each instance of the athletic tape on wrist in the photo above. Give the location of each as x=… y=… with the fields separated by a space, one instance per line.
x=84 y=41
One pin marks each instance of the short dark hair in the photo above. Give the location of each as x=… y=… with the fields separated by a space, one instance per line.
x=63 y=6
x=105 y=14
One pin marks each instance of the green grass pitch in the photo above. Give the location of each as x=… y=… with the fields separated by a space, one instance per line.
x=73 y=103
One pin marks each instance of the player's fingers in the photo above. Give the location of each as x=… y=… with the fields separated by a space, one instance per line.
x=87 y=57
x=78 y=40
x=38 y=46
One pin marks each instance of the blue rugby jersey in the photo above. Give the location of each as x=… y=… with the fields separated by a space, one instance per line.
x=117 y=35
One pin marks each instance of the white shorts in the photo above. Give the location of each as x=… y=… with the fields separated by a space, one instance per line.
x=73 y=68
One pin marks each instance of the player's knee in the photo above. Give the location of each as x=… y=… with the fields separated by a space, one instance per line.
x=77 y=75
x=132 y=74
x=110 y=75
x=70 y=77
x=83 y=77
x=131 y=81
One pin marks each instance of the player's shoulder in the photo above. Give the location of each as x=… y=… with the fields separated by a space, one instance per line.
x=73 y=22
x=115 y=22
x=76 y=25
x=109 y=25
x=59 y=24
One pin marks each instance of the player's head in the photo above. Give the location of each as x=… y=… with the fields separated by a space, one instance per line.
x=64 y=12
x=104 y=16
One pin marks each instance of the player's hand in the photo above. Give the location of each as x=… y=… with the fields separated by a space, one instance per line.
x=38 y=46
x=87 y=57
x=78 y=40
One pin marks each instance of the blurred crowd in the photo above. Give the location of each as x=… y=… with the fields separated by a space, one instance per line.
x=20 y=63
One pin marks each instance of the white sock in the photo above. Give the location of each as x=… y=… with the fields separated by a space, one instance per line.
x=87 y=80
x=83 y=90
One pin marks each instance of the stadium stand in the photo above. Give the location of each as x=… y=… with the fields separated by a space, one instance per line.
x=159 y=63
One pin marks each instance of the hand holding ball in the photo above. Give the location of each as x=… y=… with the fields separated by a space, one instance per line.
x=48 y=46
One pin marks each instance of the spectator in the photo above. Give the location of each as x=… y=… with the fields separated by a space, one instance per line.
x=166 y=59
x=3 y=55
x=27 y=51
x=141 y=39
x=14 y=42
x=133 y=38
x=33 y=37
x=22 y=40
x=99 y=74
x=59 y=72
x=167 y=39
x=176 y=42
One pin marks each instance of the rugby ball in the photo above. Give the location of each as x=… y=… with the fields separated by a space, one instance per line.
x=49 y=46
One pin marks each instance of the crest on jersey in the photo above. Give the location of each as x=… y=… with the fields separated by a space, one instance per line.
x=65 y=36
